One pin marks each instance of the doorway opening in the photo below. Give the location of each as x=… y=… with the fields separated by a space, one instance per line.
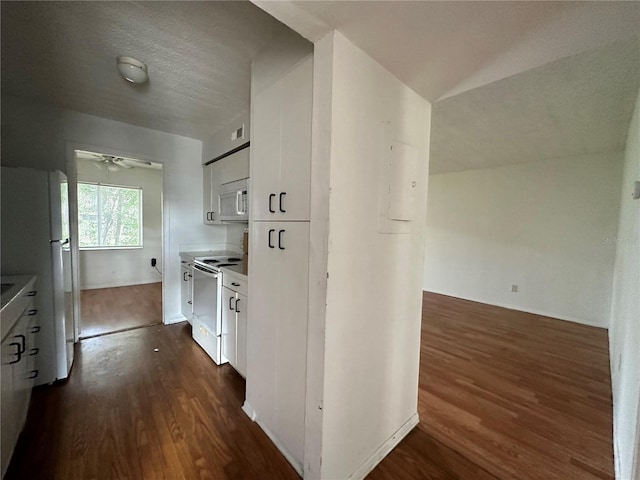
x=119 y=241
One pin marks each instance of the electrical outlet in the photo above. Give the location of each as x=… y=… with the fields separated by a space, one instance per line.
x=153 y=262
x=514 y=288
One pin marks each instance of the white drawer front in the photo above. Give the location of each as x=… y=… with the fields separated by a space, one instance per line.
x=237 y=283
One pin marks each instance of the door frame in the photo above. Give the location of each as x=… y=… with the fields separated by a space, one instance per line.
x=72 y=177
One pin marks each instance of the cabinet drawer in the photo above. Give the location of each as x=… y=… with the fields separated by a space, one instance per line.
x=237 y=283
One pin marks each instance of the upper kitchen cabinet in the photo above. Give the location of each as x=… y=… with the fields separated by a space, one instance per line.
x=230 y=168
x=281 y=147
x=224 y=160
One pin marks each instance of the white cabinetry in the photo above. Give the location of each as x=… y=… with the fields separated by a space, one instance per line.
x=18 y=353
x=279 y=258
x=234 y=321
x=278 y=337
x=227 y=169
x=209 y=195
x=186 y=290
x=281 y=147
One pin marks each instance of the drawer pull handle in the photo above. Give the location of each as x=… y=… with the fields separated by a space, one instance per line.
x=32 y=293
x=35 y=329
x=230 y=300
x=235 y=284
x=18 y=353
x=271 y=197
x=34 y=351
x=23 y=341
x=237 y=302
x=31 y=313
x=32 y=374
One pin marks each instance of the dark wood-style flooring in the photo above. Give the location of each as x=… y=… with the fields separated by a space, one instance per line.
x=521 y=396
x=503 y=395
x=108 y=310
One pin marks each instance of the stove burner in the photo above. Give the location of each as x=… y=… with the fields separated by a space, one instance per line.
x=211 y=262
x=225 y=264
x=233 y=259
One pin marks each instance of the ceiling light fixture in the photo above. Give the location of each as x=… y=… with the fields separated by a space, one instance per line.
x=132 y=70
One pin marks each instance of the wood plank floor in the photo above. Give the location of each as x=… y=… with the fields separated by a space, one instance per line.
x=503 y=395
x=108 y=310
x=520 y=395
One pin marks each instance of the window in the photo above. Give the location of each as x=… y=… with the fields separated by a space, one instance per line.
x=109 y=216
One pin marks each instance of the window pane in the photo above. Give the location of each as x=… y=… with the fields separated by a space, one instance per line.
x=87 y=215
x=114 y=219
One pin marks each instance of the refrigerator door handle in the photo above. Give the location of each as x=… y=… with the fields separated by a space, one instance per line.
x=61 y=242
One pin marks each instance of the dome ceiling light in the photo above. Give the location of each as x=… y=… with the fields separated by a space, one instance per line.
x=132 y=70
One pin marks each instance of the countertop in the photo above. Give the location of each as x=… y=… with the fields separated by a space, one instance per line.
x=207 y=253
x=14 y=299
x=235 y=270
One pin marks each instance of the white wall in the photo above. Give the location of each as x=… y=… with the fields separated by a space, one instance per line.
x=624 y=330
x=363 y=398
x=38 y=136
x=547 y=226
x=220 y=142
x=119 y=267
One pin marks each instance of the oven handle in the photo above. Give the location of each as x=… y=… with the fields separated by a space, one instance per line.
x=205 y=272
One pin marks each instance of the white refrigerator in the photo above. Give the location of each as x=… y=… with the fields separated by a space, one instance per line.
x=34 y=239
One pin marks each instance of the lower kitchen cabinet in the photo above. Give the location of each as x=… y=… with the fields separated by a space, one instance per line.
x=234 y=322
x=277 y=337
x=186 y=290
x=18 y=353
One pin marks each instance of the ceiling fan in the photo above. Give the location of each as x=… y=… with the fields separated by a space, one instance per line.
x=113 y=163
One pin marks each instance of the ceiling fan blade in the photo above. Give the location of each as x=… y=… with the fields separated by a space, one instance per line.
x=143 y=162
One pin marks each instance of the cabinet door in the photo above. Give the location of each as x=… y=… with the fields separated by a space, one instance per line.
x=229 y=325
x=232 y=168
x=185 y=291
x=207 y=194
x=277 y=339
x=295 y=157
x=8 y=402
x=263 y=313
x=241 y=334
x=265 y=152
x=21 y=383
x=281 y=147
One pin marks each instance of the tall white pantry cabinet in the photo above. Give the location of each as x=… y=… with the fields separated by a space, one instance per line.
x=279 y=258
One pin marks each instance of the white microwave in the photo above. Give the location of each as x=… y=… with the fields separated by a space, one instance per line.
x=233 y=201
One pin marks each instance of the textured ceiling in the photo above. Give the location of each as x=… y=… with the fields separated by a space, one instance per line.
x=442 y=48
x=578 y=105
x=198 y=56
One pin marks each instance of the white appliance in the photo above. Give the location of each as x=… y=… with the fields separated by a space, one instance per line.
x=233 y=201
x=35 y=240
x=207 y=301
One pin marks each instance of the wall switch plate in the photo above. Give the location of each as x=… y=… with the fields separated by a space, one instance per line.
x=514 y=288
x=636 y=190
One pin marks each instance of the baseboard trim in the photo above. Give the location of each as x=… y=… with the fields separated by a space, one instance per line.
x=385 y=448
x=251 y=413
x=126 y=284
x=248 y=409
x=518 y=308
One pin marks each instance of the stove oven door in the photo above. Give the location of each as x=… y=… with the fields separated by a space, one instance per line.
x=205 y=299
